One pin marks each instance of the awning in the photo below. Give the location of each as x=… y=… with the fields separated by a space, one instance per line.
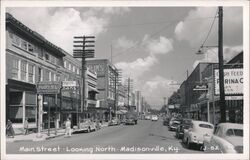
x=92 y=89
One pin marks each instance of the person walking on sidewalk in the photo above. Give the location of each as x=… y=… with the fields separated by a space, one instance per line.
x=68 y=128
x=26 y=126
x=9 y=129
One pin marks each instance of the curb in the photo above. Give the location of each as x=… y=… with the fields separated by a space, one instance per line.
x=33 y=139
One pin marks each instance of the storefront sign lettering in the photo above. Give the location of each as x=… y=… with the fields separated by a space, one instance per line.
x=233 y=81
x=48 y=87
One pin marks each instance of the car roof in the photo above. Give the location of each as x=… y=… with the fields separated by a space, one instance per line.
x=231 y=125
x=201 y=122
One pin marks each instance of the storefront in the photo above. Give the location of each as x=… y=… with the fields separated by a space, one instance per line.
x=21 y=103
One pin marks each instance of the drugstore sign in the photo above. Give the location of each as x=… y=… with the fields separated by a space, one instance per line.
x=233 y=81
x=48 y=87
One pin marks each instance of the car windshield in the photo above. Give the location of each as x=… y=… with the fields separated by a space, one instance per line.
x=205 y=126
x=234 y=132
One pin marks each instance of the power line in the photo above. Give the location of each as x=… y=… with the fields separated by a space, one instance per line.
x=210 y=29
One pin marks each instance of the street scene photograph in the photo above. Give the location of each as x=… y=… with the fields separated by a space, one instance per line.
x=125 y=80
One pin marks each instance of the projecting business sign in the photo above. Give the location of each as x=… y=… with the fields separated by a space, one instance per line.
x=233 y=81
x=48 y=87
x=69 y=85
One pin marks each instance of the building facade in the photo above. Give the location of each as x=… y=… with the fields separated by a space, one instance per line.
x=203 y=103
x=30 y=60
x=107 y=74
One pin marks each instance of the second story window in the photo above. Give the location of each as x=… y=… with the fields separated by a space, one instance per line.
x=31 y=76
x=53 y=59
x=40 y=74
x=15 y=69
x=24 y=70
x=69 y=66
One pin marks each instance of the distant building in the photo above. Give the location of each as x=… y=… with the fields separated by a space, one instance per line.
x=106 y=73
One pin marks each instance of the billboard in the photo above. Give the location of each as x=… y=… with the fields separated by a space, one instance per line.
x=233 y=81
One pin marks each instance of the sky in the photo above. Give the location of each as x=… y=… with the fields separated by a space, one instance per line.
x=155 y=46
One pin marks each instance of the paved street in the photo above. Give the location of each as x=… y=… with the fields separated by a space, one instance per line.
x=145 y=137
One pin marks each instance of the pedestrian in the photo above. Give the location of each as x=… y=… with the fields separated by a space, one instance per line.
x=26 y=126
x=68 y=128
x=9 y=129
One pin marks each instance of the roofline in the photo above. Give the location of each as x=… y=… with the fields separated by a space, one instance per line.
x=34 y=35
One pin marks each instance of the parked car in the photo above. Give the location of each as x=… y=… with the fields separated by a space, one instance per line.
x=166 y=120
x=87 y=125
x=147 y=117
x=185 y=124
x=173 y=126
x=154 y=118
x=197 y=132
x=114 y=121
x=228 y=137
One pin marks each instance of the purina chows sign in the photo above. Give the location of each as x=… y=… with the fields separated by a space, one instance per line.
x=233 y=81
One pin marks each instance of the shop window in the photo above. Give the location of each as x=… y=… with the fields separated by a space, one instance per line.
x=16 y=114
x=15 y=68
x=24 y=70
x=31 y=73
x=30 y=113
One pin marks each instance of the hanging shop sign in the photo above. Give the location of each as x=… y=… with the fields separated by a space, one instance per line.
x=48 y=87
x=233 y=81
x=69 y=85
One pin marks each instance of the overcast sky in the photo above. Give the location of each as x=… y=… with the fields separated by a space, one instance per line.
x=155 y=46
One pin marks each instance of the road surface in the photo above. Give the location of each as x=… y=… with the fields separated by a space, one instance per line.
x=145 y=137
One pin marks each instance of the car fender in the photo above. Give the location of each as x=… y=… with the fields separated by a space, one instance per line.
x=224 y=145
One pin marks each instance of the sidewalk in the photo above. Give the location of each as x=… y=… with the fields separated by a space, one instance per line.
x=35 y=137
x=43 y=136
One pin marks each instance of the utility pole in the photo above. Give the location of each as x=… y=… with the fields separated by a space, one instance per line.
x=81 y=50
x=117 y=84
x=221 y=67
x=128 y=89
